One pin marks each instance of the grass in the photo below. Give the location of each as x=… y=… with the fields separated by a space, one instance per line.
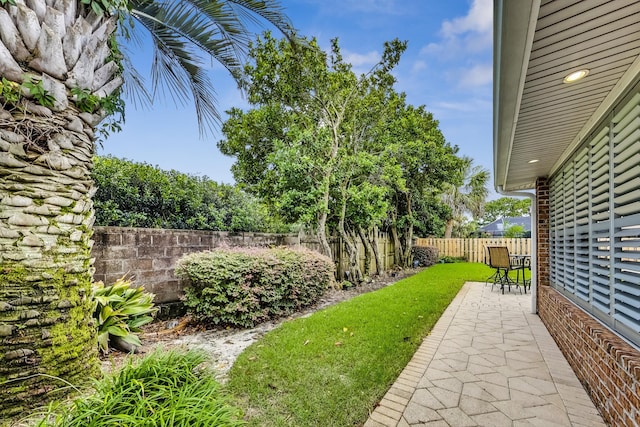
x=331 y=368
x=166 y=388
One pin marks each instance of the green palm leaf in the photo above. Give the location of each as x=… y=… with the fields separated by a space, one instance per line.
x=188 y=35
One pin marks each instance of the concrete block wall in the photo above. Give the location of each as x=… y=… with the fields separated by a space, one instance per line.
x=150 y=255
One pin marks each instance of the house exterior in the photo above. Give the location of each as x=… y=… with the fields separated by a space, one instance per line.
x=499 y=226
x=567 y=133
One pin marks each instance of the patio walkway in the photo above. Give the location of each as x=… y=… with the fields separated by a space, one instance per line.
x=487 y=362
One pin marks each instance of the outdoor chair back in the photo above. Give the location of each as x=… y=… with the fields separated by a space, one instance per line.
x=499 y=257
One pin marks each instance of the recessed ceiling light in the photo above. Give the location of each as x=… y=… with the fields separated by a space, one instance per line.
x=575 y=76
x=533 y=161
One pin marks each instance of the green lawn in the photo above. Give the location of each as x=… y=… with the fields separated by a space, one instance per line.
x=331 y=368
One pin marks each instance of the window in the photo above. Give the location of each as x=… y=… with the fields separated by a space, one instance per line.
x=595 y=223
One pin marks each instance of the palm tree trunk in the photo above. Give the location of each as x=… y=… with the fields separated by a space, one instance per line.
x=46 y=216
x=47 y=336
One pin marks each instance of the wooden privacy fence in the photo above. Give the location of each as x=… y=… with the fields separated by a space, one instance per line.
x=341 y=258
x=473 y=250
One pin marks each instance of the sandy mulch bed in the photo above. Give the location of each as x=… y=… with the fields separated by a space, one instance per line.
x=225 y=344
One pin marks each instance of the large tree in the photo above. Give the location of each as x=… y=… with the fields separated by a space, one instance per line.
x=309 y=115
x=505 y=207
x=426 y=164
x=61 y=72
x=468 y=197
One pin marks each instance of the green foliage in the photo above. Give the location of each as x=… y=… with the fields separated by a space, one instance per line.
x=112 y=107
x=110 y=7
x=5 y=2
x=330 y=369
x=85 y=100
x=243 y=287
x=466 y=196
x=39 y=93
x=140 y=195
x=120 y=311
x=323 y=146
x=10 y=93
x=425 y=256
x=514 y=231
x=451 y=260
x=505 y=207
x=165 y=389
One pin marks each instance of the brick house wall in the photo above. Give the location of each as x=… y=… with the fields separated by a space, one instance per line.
x=607 y=366
x=542 y=231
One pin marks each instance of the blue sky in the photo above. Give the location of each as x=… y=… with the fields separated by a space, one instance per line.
x=447 y=67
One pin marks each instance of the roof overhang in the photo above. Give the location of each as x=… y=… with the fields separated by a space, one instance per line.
x=538 y=120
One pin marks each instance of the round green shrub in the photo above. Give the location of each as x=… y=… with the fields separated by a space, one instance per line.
x=246 y=286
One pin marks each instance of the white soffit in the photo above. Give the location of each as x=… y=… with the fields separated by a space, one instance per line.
x=536 y=44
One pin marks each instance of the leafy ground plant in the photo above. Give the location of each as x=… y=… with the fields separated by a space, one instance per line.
x=331 y=368
x=166 y=388
x=121 y=310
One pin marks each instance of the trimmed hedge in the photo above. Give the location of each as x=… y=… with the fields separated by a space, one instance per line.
x=246 y=286
x=425 y=255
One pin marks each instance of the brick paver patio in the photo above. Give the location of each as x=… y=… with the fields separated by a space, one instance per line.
x=487 y=362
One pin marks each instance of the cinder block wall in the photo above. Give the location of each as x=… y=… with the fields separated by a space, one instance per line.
x=607 y=366
x=150 y=255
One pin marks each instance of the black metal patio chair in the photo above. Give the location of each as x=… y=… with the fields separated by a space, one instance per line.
x=502 y=262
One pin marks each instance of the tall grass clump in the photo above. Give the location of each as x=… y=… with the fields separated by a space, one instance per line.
x=166 y=388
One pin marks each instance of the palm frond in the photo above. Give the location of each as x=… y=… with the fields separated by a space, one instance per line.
x=186 y=33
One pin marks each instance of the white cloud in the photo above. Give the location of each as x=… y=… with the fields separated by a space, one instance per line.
x=367 y=6
x=470 y=106
x=418 y=66
x=361 y=59
x=469 y=34
x=478 y=75
x=478 y=20
x=361 y=62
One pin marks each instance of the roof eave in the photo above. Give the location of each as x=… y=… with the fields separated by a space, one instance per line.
x=514 y=28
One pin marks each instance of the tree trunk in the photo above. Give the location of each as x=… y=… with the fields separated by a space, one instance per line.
x=408 y=235
x=47 y=335
x=376 y=250
x=368 y=252
x=355 y=274
x=449 y=229
x=408 y=245
x=397 y=243
x=321 y=233
x=45 y=280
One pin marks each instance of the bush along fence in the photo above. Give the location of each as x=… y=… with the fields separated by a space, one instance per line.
x=474 y=250
x=246 y=286
x=150 y=255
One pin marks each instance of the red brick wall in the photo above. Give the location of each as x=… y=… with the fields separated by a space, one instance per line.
x=608 y=367
x=542 y=231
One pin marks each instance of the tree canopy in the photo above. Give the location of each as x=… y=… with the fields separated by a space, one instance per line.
x=335 y=150
x=132 y=194
x=505 y=207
